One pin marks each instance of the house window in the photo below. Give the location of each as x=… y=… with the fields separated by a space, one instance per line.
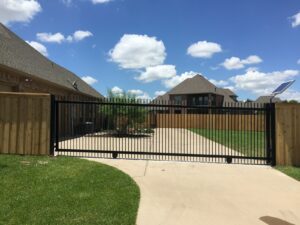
x=205 y=100
x=177 y=99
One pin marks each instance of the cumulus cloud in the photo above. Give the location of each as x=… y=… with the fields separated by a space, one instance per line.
x=234 y=63
x=49 y=37
x=89 y=80
x=290 y=95
x=18 y=10
x=100 y=1
x=204 y=49
x=135 y=92
x=138 y=51
x=170 y=83
x=59 y=37
x=158 y=93
x=157 y=73
x=261 y=83
x=144 y=96
x=296 y=20
x=79 y=35
x=39 y=47
x=220 y=83
x=139 y=94
x=117 y=91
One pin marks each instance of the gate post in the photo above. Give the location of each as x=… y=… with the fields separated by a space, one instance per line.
x=270 y=134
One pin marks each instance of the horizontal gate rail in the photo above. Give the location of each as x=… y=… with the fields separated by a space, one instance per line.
x=161 y=105
x=160 y=154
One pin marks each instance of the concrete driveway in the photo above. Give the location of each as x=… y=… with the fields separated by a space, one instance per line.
x=174 y=193
x=164 y=140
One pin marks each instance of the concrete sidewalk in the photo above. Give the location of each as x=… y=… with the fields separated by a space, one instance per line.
x=174 y=193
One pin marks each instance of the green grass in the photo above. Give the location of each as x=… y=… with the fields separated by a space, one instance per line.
x=249 y=143
x=290 y=171
x=60 y=190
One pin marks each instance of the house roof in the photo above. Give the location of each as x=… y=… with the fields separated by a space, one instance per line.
x=15 y=53
x=197 y=85
x=266 y=99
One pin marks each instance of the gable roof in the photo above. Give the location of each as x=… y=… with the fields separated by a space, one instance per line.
x=15 y=53
x=195 y=85
x=266 y=99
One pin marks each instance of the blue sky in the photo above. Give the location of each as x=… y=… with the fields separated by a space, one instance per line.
x=149 y=46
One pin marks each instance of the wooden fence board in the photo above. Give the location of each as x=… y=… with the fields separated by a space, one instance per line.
x=25 y=123
x=287 y=134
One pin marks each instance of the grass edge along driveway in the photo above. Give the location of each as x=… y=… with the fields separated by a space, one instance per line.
x=291 y=171
x=249 y=143
x=61 y=190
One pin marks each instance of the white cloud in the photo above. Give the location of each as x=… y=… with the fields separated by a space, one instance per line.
x=157 y=73
x=100 y=1
x=49 y=37
x=117 y=91
x=219 y=83
x=261 y=83
x=39 y=47
x=67 y=2
x=80 y=35
x=296 y=20
x=139 y=94
x=237 y=63
x=158 y=93
x=203 y=49
x=298 y=62
x=18 y=10
x=89 y=80
x=135 y=92
x=144 y=96
x=138 y=51
x=170 y=83
x=290 y=95
x=59 y=37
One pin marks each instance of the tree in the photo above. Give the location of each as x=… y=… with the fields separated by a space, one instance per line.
x=122 y=117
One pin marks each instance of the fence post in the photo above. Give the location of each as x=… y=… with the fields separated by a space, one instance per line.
x=273 y=134
x=52 y=124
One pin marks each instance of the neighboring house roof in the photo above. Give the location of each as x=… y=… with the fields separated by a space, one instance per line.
x=229 y=92
x=197 y=85
x=266 y=99
x=16 y=54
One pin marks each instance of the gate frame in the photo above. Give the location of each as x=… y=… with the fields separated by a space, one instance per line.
x=270 y=114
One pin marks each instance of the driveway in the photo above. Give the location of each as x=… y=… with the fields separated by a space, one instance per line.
x=178 y=193
x=166 y=140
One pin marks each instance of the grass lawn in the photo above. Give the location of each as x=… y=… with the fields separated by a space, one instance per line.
x=290 y=171
x=61 y=190
x=249 y=143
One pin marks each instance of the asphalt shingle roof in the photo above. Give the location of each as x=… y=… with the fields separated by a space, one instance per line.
x=198 y=85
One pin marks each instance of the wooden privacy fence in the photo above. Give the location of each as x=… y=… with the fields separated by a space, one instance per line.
x=25 y=123
x=288 y=134
x=235 y=122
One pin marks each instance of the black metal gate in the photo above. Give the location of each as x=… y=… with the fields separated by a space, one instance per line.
x=160 y=130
